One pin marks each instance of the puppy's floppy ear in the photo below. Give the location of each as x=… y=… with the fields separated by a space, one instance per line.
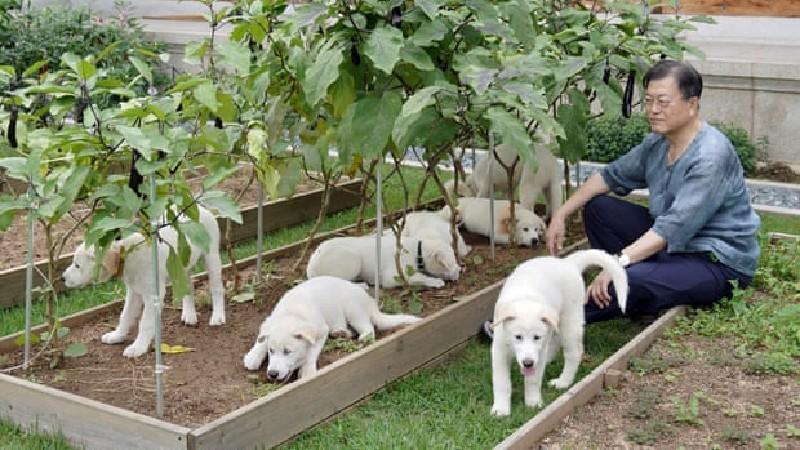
x=111 y=262
x=550 y=318
x=504 y=312
x=306 y=333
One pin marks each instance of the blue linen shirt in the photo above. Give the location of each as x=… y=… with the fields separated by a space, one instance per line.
x=700 y=203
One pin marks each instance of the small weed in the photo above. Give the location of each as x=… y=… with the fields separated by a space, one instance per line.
x=346 y=345
x=415 y=303
x=654 y=363
x=796 y=401
x=770 y=442
x=730 y=412
x=771 y=363
x=649 y=433
x=756 y=411
x=391 y=304
x=264 y=389
x=644 y=405
x=735 y=434
x=792 y=431
x=689 y=412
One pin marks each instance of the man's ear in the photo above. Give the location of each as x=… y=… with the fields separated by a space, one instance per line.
x=111 y=262
x=504 y=312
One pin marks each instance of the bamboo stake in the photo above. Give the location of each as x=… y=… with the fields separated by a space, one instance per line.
x=378 y=229
x=491 y=200
x=159 y=368
x=29 y=280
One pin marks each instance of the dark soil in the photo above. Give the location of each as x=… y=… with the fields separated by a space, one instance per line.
x=777 y=171
x=211 y=381
x=13 y=241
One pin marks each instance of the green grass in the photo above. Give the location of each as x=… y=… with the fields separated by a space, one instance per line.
x=447 y=406
x=13 y=437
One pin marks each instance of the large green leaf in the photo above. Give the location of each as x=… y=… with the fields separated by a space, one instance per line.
x=429 y=32
x=416 y=56
x=369 y=122
x=196 y=232
x=142 y=68
x=9 y=207
x=383 y=47
x=136 y=139
x=430 y=7
x=342 y=94
x=410 y=113
x=305 y=15
x=75 y=350
x=206 y=94
x=83 y=68
x=177 y=275
x=235 y=55
x=573 y=117
x=222 y=204
x=72 y=186
x=322 y=73
x=510 y=129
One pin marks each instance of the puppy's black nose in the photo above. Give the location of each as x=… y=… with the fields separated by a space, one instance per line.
x=272 y=374
x=527 y=363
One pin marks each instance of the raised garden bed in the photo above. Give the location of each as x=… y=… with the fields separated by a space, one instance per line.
x=222 y=408
x=276 y=214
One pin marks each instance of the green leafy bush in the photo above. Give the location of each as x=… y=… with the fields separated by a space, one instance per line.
x=31 y=35
x=611 y=137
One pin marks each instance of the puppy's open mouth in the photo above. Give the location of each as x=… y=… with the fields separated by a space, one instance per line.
x=527 y=371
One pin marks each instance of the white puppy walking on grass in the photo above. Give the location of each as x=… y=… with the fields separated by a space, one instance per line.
x=294 y=334
x=540 y=307
x=132 y=258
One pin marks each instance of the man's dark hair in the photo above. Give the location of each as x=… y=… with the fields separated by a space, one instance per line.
x=689 y=80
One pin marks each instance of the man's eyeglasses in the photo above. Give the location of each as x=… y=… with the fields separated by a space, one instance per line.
x=663 y=103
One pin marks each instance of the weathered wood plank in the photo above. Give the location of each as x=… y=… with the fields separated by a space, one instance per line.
x=88 y=423
x=527 y=436
x=277 y=214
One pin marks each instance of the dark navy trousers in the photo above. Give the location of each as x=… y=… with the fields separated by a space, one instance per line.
x=660 y=282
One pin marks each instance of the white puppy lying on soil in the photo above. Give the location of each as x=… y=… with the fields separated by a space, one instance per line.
x=540 y=307
x=353 y=258
x=294 y=334
x=136 y=268
x=474 y=215
x=545 y=178
x=433 y=226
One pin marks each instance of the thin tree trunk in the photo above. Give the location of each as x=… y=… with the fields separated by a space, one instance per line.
x=362 y=207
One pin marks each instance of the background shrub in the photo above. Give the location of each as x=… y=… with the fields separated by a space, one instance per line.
x=611 y=137
x=30 y=35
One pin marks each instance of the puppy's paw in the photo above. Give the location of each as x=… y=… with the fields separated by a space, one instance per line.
x=534 y=402
x=501 y=410
x=560 y=383
x=341 y=334
x=217 y=319
x=114 y=337
x=189 y=317
x=252 y=360
x=436 y=283
x=135 y=350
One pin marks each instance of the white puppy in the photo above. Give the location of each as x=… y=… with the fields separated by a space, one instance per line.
x=545 y=178
x=295 y=333
x=132 y=258
x=474 y=215
x=466 y=188
x=540 y=307
x=353 y=258
x=433 y=226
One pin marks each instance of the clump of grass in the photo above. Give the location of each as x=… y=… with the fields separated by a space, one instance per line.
x=644 y=405
x=649 y=433
x=735 y=434
x=655 y=363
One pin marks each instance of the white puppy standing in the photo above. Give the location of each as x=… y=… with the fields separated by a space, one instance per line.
x=545 y=178
x=540 y=307
x=433 y=226
x=474 y=215
x=136 y=269
x=294 y=334
x=353 y=258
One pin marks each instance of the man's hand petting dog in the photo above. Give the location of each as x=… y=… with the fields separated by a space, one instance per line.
x=598 y=290
x=555 y=234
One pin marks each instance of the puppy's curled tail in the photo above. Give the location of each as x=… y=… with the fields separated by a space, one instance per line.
x=585 y=258
x=384 y=321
